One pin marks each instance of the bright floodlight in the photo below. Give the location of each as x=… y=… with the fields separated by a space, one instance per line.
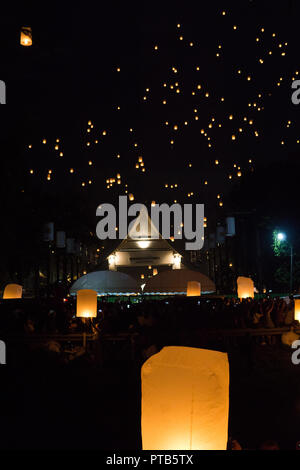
x=281 y=236
x=143 y=244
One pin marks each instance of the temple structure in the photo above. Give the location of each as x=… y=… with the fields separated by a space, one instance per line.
x=148 y=251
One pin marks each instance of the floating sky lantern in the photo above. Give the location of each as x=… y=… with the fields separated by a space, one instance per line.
x=12 y=291
x=185 y=400
x=193 y=289
x=245 y=287
x=297 y=310
x=26 y=36
x=86 y=307
x=86 y=303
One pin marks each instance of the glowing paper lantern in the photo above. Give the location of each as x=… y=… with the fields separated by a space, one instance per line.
x=245 y=287
x=185 y=400
x=12 y=291
x=297 y=309
x=86 y=303
x=26 y=36
x=193 y=289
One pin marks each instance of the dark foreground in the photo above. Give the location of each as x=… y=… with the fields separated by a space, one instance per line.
x=81 y=405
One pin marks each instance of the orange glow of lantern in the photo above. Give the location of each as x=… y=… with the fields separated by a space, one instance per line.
x=26 y=36
x=297 y=309
x=245 y=287
x=12 y=291
x=185 y=400
x=193 y=289
x=86 y=303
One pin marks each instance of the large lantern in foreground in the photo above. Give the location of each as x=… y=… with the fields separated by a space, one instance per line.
x=185 y=400
x=12 y=291
x=86 y=303
x=245 y=287
x=297 y=309
x=193 y=289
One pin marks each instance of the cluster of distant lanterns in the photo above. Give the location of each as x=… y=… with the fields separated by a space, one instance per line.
x=174 y=379
x=26 y=40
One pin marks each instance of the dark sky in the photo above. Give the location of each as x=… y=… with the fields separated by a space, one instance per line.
x=69 y=76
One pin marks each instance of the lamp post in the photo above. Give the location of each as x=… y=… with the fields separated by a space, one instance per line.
x=282 y=237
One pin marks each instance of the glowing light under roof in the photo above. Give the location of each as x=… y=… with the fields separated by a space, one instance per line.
x=143 y=244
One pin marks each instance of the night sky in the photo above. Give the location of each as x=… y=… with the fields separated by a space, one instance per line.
x=225 y=79
x=183 y=101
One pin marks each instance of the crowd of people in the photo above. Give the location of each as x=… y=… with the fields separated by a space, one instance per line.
x=153 y=322
x=28 y=316
x=187 y=321
x=172 y=313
